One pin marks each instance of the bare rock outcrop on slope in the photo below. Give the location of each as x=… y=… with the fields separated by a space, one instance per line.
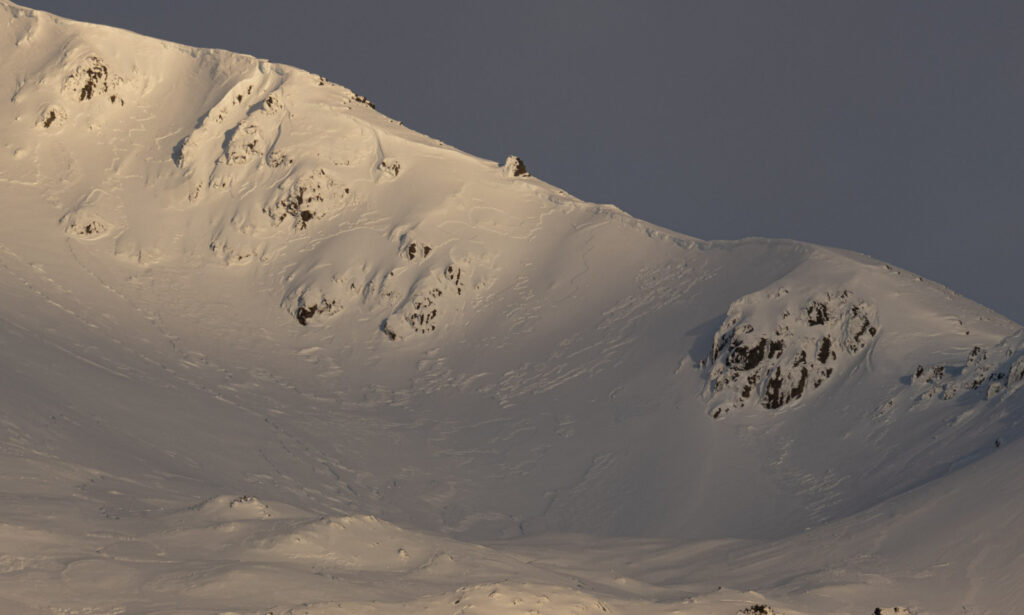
x=92 y=79
x=773 y=348
x=515 y=167
x=437 y=294
x=985 y=373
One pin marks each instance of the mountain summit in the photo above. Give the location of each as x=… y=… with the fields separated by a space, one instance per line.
x=265 y=349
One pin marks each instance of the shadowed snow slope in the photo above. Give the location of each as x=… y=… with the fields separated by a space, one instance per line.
x=265 y=349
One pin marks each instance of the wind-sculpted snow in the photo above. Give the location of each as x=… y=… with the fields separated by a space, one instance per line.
x=435 y=383
x=774 y=348
x=267 y=160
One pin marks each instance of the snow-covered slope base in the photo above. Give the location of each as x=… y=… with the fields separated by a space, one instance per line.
x=263 y=349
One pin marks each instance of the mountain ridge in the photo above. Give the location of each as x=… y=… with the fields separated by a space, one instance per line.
x=270 y=290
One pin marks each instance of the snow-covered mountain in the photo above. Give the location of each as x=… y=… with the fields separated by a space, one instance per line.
x=267 y=350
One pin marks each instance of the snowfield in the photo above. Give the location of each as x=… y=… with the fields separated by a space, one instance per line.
x=264 y=350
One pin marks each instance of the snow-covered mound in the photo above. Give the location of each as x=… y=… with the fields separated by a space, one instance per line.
x=432 y=382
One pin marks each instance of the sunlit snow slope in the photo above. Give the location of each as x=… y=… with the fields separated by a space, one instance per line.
x=263 y=349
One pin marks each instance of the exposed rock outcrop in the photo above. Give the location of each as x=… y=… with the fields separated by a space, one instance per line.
x=773 y=349
x=515 y=167
x=985 y=372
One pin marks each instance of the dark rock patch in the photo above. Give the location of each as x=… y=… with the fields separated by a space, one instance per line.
x=364 y=100
x=389 y=167
x=93 y=79
x=795 y=356
x=307 y=199
x=454 y=275
x=305 y=312
x=52 y=117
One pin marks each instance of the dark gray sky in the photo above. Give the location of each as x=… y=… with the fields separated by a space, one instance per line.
x=892 y=128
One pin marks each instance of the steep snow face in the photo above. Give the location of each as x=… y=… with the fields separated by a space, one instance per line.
x=238 y=299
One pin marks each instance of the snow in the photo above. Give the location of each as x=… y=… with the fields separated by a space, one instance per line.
x=263 y=349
